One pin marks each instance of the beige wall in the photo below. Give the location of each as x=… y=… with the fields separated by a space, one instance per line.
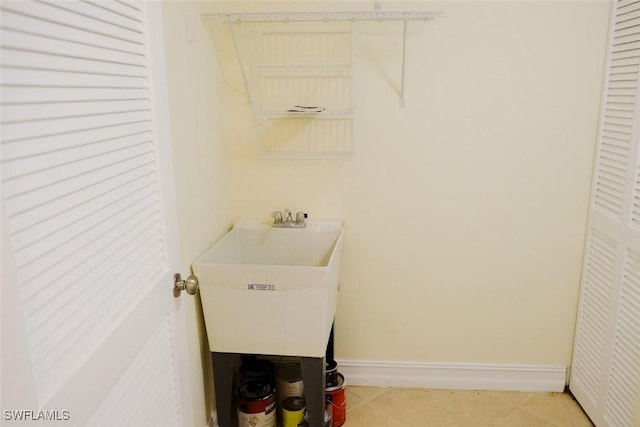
x=465 y=211
x=201 y=167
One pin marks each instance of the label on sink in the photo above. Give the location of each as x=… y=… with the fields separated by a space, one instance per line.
x=261 y=287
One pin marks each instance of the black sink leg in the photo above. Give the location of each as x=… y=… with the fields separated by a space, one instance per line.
x=313 y=376
x=223 y=370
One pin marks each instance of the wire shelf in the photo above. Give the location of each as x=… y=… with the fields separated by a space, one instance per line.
x=296 y=45
x=306 y=137
x=324 y=16
x=299 y=76
x=299 y=93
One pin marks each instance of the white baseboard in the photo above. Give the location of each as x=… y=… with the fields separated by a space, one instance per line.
x=454 y=376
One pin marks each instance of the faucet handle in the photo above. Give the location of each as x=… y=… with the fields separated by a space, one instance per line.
x=301 y=217
x=277 y=217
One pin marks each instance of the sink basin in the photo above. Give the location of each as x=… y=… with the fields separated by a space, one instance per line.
x=269 y=290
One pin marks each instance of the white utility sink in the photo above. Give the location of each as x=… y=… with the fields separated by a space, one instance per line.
x=268 y=290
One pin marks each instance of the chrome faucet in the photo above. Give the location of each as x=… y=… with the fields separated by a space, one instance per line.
x=288 y=219
x=285 y=219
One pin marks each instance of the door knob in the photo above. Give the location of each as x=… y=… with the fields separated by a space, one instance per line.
x=190 y=284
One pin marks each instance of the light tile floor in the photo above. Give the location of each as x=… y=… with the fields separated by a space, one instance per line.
x=403 y=407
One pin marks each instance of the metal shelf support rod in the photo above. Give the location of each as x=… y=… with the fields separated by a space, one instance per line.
x=404 y=52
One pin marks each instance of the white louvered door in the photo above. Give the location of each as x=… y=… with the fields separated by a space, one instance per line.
x=605 y=374
x=91 y=332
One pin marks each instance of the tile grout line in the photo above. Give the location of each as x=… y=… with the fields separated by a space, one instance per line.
x=532 y=412
x=370 y=404
x=530 y=404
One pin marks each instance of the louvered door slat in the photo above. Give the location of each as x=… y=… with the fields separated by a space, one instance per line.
x=622 y=95
x=627 y=15
x=606 y=364
x=52 y=94
x=49 y=29
x=626 y=37
x=83 y=173
x=88 y=215
x=126 y=9
x=627 y=27
x=620 y=113
x=16 y=150
x=28 y=113
x=34 y=59
x=595 y=306
x=620 y=100
x=611 y=171
x=106 y=153
x=25 y=77
x=52 y=12
x=51 y=353
x=58 y=200
x=142 y=379
x=622 y=88
x=96 y=268
x=625 y=19
x=69 y=126
x=64 y=213
x=57 y=47
x=614 y=159
x=624 y=382
x=622 y=71
x=54 y=365
x=612 y=140
x=625 y=5
x=93 y=11
x=37 y=256
x=635 y=210
x=51 y=266
x=624 y=56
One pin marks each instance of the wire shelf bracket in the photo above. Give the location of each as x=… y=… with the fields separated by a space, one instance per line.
x=299 y=77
